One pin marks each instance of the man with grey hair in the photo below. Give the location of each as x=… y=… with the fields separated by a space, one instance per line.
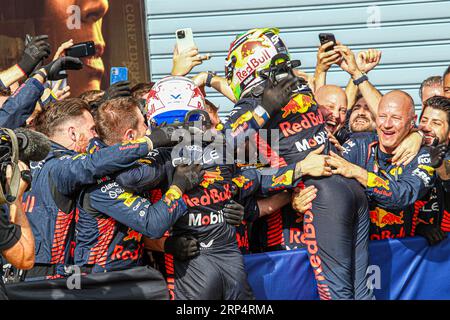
x=430 y=87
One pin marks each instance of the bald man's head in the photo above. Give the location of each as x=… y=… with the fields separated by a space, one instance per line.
x=334 y=100
x=395 y=119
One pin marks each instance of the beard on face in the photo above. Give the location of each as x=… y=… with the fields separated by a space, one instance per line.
x=361 y=124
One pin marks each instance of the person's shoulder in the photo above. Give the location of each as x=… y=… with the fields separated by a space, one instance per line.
x=361 y=138
x=369 y=136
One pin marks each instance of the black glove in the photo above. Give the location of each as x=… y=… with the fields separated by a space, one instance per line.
x=233 y=213
x=37 y=50
x=55 y=68
x=276 y=96
x=182 y=248
x=161 y=136
x=117 y=90
x=437 y=153
x=432 y=233
x=187 y=177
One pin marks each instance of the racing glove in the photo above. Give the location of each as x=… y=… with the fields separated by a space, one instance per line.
x=432 y=233
x=54 y=69
x=437 y=153
x=117 y=90
x=233 y=213
x=37 y=50
x=182 y=247
x=276 y=96
x=161 y=136
x=187 y=177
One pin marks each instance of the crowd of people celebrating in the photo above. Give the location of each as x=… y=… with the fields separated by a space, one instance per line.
x=145 y=186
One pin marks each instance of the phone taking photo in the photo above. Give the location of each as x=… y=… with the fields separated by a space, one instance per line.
x=81 y=50
x=118 y=74
x=185 y=39
x=327 y=37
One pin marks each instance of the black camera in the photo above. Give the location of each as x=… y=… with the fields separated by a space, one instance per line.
x=280 y=67
x=181 y=34
x=15 y=145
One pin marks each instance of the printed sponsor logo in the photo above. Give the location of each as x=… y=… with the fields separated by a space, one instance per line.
x=210 y=177
x=252 y=65
x=119 y=253
x=307 y=144
x=375 y=181
x=309 y=120
x=424 y=159
x=250 y=47
x=428 y=169
x=138 y=205
x=382 y=218
x=299 y=104
x=295 y=235
x=349 y=144
x=396 y=171
x=170 y=199
x=113 y=189
x=387 y=234
x=422 y=175
x=209 y=197
x=199 y=219
x=309 y=239
x=284 y=179
x=128 y=198
x=240 y=181
x=208 y=245
x=133 y=235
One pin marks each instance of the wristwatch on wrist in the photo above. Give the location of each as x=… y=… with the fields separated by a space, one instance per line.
x=360 y=79
x=209 y=78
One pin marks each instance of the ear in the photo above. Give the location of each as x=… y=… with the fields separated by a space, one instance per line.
x=72 y=134
x=130 y=134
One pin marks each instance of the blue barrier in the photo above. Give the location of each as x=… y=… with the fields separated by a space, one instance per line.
x=409 y=269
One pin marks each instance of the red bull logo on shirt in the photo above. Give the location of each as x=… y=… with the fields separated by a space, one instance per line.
x=382 y=218
x=240 y=181
x=284 y=179
x=375 y=181
x=133 y=235
x=210 y=177
x=299 y=104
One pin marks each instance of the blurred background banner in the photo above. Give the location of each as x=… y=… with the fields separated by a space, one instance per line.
x=400 y=269
x=117 y=27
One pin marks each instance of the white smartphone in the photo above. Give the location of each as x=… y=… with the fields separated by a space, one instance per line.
x=185 y=39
